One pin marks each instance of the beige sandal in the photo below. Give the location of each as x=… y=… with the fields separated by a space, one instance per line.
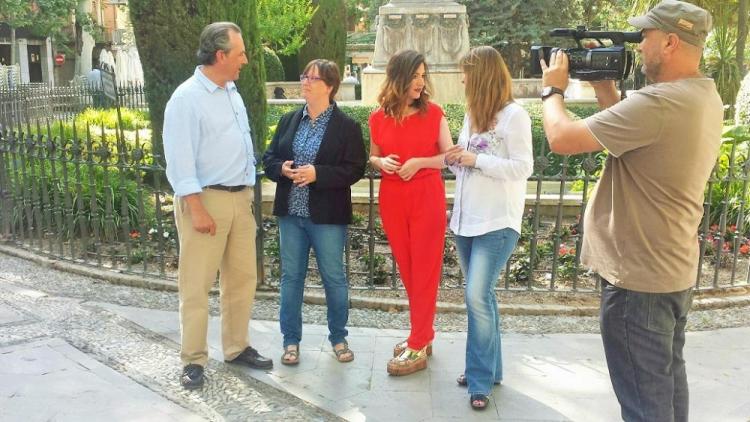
x=343 y=354
x=291 y=355
x=408 y=362
x=403 y=345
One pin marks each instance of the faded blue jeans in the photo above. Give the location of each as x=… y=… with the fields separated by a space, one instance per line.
x=297 y=235
x=482 y=258
x=643 y=335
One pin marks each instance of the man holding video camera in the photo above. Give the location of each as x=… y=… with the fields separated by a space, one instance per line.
x=640 y=227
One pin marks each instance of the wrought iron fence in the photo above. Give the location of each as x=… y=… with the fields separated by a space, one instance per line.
x=97 y=196
x=31 y=102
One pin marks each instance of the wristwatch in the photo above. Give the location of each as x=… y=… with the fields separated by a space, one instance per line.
x=549 y=91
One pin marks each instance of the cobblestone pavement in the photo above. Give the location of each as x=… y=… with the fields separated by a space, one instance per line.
x=58 y=283
x=40 y=304
x=148 y=359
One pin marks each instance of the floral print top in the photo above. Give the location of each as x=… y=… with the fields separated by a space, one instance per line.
x=305 y=148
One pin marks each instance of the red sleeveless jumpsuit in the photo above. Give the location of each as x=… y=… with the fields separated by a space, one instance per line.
x=413 y=213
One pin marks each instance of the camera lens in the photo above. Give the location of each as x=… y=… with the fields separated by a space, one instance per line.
x=578 y=58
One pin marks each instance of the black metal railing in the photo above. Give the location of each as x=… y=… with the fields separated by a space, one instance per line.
x=31 y=102
x=97 y=196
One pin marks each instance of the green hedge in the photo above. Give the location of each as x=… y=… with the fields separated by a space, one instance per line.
x=455 y=115
x=274 y=69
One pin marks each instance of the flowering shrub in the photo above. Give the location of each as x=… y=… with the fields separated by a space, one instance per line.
x=566 y=260
x=728 y=239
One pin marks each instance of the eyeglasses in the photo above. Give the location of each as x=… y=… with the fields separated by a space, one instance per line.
x=311 y=79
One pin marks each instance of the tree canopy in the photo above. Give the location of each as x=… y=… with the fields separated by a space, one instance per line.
x=168 y=52
x=724 y=56
x=283 y=23
x=512 y=26
x=326 y=35
x=43 y=18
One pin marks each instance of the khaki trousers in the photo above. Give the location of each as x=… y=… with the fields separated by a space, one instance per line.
x=231 y=252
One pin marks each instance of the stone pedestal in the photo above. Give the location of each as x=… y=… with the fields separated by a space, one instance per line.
x=439 y=29
x=446 y=84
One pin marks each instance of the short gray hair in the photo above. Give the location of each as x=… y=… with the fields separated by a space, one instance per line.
x=215 y=37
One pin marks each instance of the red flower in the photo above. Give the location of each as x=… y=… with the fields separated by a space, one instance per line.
x=135 y=234
x=744 y=249
x=564 y=250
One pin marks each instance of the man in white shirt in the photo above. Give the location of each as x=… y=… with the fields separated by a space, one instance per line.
x=211 y=167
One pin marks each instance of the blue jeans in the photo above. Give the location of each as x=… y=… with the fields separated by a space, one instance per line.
x=297 y=235
x=643 y=335
x=482 y=258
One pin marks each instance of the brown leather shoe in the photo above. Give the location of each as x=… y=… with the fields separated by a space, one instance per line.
x=408 y=362
x=402 y=345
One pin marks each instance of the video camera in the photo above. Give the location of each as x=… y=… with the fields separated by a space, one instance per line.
x=614 y=62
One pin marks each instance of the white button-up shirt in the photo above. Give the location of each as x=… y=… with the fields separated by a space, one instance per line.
x=207 y=137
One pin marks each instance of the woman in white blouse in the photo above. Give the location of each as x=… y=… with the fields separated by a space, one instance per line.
x=492 y=160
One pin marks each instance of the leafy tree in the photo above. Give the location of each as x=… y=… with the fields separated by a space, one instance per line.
x=603 y=14
x=725 y=50
x=357 y=11
x=16 y=14
x=44 y=18
x=168 y=52
x=373 y=7
x=326 y=37
x=282 y=23
x=512 y=26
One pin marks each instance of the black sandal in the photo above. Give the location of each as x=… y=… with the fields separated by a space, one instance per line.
x=479 y=401
x=291 y=355
x=461 y=380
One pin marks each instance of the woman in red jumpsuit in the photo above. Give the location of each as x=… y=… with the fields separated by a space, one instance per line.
x=409 y=135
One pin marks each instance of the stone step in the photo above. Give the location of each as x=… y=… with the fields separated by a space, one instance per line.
x=549 y=198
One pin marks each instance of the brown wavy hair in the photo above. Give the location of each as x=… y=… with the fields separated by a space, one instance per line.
x=487 y=84
x=398 y=76
x=329 y=73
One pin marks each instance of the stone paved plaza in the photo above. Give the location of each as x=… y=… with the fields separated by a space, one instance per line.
x=70 y=356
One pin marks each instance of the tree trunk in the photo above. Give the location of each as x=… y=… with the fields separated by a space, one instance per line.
x=84 y=42
x=742 y=17
x=13 y=46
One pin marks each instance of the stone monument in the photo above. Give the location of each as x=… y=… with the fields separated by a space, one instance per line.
x=439 y=29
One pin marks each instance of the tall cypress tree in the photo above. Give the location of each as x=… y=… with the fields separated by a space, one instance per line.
x=326 y=36
x=167 y=33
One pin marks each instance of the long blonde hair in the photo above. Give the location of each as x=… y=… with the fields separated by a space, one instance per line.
x=398 y=76
x=487 y=84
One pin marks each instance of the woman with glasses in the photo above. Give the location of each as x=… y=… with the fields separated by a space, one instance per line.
x=409 y=135
x=492 y=160
x=316 y=154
